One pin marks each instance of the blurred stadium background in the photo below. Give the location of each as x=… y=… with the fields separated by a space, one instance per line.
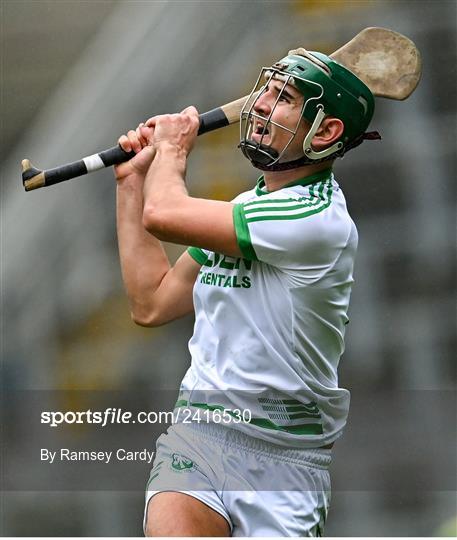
x=77 y=74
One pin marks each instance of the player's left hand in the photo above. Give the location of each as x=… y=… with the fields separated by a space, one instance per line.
x=137 y=141
x=179 y=130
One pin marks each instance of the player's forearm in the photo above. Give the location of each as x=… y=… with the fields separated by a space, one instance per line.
x=144 y=262
x=164 y=189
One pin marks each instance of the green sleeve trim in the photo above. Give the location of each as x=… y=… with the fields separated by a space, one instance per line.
x=242 y=233
x=197 y=254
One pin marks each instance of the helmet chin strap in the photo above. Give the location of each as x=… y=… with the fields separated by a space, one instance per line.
x=260 y=155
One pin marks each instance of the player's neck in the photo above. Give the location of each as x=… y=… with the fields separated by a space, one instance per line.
x=275 y=180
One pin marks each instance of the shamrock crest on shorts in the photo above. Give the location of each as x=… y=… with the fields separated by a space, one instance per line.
x=182 y=463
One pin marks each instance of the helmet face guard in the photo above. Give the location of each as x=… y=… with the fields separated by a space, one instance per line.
x=327 y=87
x=258 y=152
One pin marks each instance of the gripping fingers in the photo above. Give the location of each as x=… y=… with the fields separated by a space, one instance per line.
x=130 y=142
x=124 y=143
x=142 y=135
x=134 y=140
x=146 y=134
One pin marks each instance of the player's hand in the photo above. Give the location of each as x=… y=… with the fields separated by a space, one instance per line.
x=139 y=141
x=178 y=130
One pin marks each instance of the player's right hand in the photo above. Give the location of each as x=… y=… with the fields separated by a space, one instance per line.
x=140 y=142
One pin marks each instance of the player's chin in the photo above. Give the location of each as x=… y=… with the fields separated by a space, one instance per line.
x=261 y=139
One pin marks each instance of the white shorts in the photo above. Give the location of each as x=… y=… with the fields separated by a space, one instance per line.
x=261 y=489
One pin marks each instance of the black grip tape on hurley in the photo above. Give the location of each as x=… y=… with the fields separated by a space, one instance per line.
x=211 y=120
x=66 y=172
x=115 y=155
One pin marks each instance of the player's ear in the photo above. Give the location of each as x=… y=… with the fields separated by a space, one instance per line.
x=330 y=131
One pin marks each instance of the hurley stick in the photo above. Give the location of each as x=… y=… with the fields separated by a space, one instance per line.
x=386 y=61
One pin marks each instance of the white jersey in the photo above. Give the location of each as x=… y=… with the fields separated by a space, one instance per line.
x=269 y=327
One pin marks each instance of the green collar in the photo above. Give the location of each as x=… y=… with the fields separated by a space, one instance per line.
x=306 y=181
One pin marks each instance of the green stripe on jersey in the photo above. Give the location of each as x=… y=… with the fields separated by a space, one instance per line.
x=264 y=202
x=291 y=204
x=301 y=429
x=304 y=415
x=197 y=254
x=242 y=233
x=180 y=403
x=286 y=201
x=313 y=206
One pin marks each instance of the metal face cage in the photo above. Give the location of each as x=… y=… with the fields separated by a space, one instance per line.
x=257 y=151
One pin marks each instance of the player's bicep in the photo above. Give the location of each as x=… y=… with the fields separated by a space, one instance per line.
x=190 y=221
x=174 y=296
